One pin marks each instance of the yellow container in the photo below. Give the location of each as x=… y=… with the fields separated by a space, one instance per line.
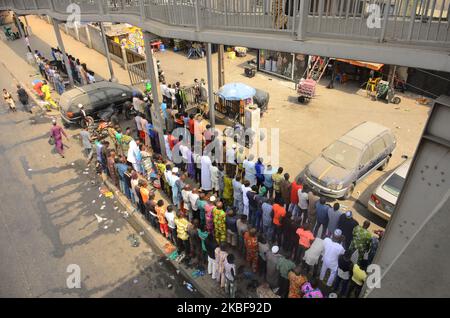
x=232 y=55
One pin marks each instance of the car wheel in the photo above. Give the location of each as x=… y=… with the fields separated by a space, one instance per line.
x=385 y=164
x=301 y=99
x=349 y=192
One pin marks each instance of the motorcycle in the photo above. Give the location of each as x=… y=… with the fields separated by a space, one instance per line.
x=128 y=110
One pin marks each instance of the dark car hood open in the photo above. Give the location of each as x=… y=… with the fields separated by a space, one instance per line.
x=327 y=173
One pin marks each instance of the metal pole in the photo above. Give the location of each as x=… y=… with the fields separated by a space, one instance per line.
x=303 y=16
x=63 y=50
x=212 y=115
x=221 y=65
x=387 y=6
x=19 y=26
x=197 y=22
x=108 y=56
x=158 y=120
x=412 y=20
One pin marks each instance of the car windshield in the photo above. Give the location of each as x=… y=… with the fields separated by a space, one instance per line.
x=394 y=184
x=342 y=155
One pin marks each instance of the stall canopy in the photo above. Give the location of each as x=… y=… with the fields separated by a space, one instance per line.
x=369 y=65
x=236 y=91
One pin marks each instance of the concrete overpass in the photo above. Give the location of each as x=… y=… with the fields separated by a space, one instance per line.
x=411 y=33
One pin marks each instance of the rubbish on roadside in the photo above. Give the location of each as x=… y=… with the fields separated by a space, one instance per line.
x=103 y=190
x=115 y=208
x=30 y=169
x=169 y=286
x=172 y=277
x=178 y=271
x=99 y=218
x=189 y=286
x=87 y=169
x=125 y=215
x=104 y=202
x=102 y=207
x=105 y=227
x=134 y=240
x=173 y=256
x=100 y=195
x=180 y=258
x=73 y=163
x=109 y=194
x=169 y=248
x=197 y=273
x=117 y=229
x=135 y=281
x=141 y=233
x=93 y=201
x=88 y=189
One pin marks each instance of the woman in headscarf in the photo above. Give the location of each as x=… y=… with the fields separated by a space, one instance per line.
x=220 y=229
x=251 y=247
x=227 y=190
x=56 y=133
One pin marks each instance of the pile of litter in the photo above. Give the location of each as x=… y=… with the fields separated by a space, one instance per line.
x=134 y=240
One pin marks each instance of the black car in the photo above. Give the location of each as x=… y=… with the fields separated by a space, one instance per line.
x=95 y=98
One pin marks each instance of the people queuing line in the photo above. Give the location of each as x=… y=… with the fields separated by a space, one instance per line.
x=54 y=72
x=226 y=203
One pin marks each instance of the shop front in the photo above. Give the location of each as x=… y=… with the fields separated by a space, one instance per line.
x=289 y=66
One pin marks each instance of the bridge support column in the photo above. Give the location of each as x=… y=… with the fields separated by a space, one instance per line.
x=212 y=115
x=19 y=25
x=63 y=50
x=108 y=56
x=157 y=118
x=221 y=66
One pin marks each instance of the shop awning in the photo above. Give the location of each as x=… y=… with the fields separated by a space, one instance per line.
x=372 y=66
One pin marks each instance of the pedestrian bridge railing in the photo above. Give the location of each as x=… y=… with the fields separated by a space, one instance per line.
x=400 y=32
x=413 y=22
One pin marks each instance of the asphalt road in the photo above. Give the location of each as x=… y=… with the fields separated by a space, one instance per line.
x=48 y=221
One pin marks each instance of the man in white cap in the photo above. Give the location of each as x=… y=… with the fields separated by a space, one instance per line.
x=331 y=252
x=206 y=173
x=231 y=161
x=272 y=274
x=346 y=224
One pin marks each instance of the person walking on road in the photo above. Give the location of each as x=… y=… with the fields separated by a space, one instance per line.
x=23 y=98
x=56 y=133
x=9 y=100
x=86 y=141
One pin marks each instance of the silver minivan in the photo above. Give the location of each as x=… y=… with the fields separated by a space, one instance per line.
x=350 y=159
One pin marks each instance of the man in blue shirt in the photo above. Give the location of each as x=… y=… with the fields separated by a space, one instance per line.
x=122 y=167
x=322 y=217
x=268 y=182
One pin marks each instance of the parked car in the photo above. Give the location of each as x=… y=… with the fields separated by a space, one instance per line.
x=350 y=159
x=383 y=200
x=94 y=98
